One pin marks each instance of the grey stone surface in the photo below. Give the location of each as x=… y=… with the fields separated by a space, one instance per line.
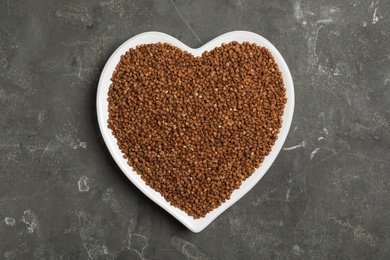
x=327 y=196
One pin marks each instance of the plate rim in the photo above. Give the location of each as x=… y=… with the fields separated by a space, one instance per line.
x=192 y=224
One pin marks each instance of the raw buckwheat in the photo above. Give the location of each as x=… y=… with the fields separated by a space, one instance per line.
x=194 y=128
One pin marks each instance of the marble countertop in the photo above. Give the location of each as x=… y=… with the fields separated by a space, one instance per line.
x=327 y=196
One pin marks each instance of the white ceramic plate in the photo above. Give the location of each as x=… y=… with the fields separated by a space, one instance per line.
x=102 y=113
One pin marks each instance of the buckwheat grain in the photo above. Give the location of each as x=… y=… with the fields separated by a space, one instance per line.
x=194 y=128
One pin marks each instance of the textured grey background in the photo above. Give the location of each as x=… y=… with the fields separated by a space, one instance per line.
x=327 y=196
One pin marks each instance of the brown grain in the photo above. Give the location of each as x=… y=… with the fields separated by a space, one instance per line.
x=194 y=128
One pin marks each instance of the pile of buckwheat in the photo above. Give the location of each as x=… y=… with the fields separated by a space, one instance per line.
x=194 y=128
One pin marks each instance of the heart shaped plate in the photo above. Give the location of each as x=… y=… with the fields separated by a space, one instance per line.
x=195 y=225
